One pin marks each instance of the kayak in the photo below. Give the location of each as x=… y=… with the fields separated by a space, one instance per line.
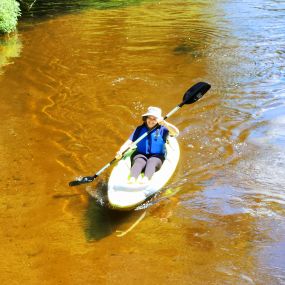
x=125 y=196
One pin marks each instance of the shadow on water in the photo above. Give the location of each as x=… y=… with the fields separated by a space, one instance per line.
x=185 y=48
x=45 y=9
x=100 y=220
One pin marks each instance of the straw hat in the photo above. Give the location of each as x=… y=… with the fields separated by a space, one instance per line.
x=153 y=111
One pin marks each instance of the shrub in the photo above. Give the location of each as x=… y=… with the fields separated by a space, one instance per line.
x=9 y=13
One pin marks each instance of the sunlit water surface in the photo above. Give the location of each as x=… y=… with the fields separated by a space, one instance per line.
x=74 y=81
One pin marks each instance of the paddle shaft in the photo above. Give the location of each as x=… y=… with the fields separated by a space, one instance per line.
x=136 y=142
x=88 y=179
x=192 y=95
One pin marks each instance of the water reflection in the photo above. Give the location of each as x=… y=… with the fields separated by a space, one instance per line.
x=10 y=48
x=68 y=104
x=46 y=9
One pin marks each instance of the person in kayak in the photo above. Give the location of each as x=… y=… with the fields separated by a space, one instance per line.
x=150 y=152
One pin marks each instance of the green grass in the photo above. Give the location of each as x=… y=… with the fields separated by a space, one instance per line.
x=9 y=13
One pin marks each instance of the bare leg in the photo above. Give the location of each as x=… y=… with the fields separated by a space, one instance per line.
x=139 y=163
x=152 y=165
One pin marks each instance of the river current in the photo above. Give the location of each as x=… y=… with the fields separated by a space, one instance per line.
x=74 y=81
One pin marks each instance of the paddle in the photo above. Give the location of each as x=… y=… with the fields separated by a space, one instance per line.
x=192 y=95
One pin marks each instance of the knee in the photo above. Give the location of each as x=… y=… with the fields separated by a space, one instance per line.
x=139 y=160
x=154 y=162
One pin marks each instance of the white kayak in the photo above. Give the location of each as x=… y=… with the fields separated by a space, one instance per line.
x=125 y=196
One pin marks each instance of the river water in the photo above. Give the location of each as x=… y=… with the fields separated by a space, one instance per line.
x=73 y=86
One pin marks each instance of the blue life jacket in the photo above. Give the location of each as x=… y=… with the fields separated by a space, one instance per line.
x=154 y=143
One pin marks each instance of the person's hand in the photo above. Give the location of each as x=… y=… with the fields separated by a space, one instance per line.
x=118 y=155
x=133 y=146
x=161 y=121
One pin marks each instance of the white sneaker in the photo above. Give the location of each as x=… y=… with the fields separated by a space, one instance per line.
x=132 y=180
x=144 y=180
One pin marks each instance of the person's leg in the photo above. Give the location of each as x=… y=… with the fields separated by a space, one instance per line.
x=139 y=163
x=153 y=164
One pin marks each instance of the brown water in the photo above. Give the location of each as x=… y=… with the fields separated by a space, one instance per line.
x=73 y=87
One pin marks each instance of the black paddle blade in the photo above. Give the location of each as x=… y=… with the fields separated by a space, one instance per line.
x=82 y=180
x=195 y=93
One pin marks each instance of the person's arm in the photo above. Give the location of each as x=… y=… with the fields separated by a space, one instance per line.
x=173 y=131
x=126 y=145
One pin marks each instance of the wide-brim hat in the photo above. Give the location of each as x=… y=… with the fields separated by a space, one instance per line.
x=153 y=111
